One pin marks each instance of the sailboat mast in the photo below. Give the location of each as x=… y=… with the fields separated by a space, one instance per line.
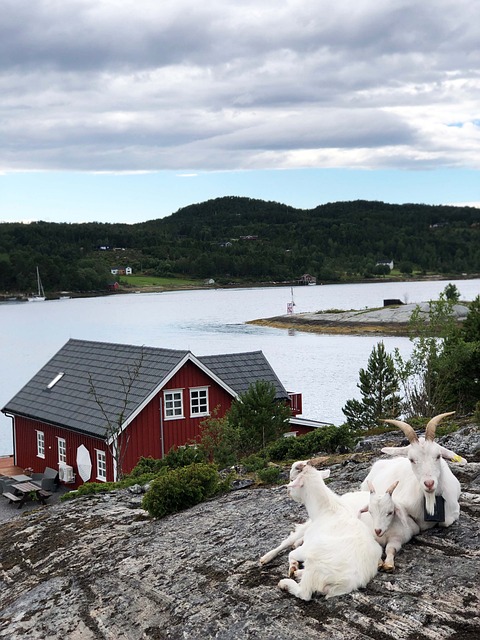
x=41 y=292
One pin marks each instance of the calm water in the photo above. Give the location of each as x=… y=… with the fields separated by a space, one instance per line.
x=324 y=368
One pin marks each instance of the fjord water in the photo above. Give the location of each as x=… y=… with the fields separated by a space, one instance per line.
x=323 y=368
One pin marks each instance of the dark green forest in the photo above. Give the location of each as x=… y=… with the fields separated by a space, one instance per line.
x=234 y=239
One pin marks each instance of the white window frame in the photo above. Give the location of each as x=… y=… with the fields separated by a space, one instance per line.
x=62 y=450
x=199 y=402
x=173 y=404
x=40 y=444
x=101 y=465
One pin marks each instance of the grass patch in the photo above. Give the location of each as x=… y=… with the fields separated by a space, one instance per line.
x=154 y=281
x=335 y=311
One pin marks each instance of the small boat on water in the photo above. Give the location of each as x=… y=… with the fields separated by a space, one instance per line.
x=40 y=295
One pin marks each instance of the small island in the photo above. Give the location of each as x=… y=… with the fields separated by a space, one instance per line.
x=387 y=320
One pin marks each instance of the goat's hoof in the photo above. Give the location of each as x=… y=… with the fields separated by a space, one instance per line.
x=283 y=584
x=380 y=564
x=388 y=568
x=292 y=569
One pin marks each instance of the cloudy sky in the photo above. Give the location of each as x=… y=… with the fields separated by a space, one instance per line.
x=127 y=110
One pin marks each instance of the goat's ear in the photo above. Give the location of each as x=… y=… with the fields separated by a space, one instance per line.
x=325 y=473
x=392 y=487
x=396 y=451
x=452 y=456
x=371 y=488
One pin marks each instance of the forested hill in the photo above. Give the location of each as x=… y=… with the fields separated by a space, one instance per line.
x=242 y=239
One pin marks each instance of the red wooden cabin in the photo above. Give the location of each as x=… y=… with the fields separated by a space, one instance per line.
x=61 y=416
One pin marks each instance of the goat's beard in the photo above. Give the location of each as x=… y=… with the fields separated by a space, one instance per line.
x=430 y=500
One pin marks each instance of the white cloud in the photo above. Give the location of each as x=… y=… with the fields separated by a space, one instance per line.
x=118 y=85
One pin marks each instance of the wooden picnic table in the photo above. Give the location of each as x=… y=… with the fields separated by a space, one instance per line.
x=24 y=491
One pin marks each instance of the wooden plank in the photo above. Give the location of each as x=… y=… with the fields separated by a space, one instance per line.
x=12 y=497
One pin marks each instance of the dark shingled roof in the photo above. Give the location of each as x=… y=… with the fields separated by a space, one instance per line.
x=239 y=370
x=70 y=403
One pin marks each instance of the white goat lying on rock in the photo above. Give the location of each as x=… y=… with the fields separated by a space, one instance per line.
x=339 y=553
x=392 y=525
x=427 y=486
x=353 y=500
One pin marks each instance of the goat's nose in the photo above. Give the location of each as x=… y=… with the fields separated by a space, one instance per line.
x=429 y=484
x=378 y=532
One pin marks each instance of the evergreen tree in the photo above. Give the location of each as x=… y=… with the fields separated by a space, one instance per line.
x=424 y=375
x=471 y=325
x=451 y=292
x=378 y=385
x=257 y=418
x=458 y=364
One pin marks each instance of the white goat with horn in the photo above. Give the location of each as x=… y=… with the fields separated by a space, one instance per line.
x=427 y=486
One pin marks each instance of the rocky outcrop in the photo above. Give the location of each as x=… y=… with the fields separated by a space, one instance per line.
x=99 y=567
x=384 y=321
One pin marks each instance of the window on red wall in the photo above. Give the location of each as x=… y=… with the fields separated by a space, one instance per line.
x=173 y=404
x=40 y=444
x=101 y=465
x=62 y=450
x=199 y=401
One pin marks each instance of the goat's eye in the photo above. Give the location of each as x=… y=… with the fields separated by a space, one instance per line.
x=390 y=513
x=438 y=457
x=413 y=461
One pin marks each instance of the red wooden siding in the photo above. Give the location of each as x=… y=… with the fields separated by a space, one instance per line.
x=183 y=431
x=26 y=448
x=145 y=432
x=149 y=434
x=301 y=431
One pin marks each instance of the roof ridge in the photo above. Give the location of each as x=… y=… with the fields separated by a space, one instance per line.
x=124 y=345
x=233 y=353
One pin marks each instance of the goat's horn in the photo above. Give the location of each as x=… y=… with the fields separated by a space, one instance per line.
x=406 y=428
x=432 y=425
x=316 y=461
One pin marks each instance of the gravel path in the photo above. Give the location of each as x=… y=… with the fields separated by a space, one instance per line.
x=11 y=511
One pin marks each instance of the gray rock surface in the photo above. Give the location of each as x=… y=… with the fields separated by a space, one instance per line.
x=101 y=568
x=383 y=320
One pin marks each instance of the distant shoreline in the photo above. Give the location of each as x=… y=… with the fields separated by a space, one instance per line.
x=56 y=295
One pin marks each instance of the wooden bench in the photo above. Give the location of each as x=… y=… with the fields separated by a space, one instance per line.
x=43 y=495
x=12 y=497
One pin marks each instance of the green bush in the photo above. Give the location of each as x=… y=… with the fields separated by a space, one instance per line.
x=175 y=458
x=282 y=448
x=89 y=488
x=183 y=456
x=254 y=462
x=146 y=465
x=326 y=439
x=270 y=475
x=181 y=488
